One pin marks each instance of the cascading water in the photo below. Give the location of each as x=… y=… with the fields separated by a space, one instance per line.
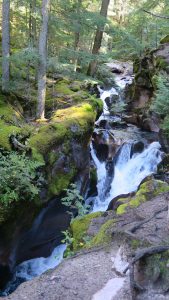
x=125 y=172
x=35 y=267
x=128 y=172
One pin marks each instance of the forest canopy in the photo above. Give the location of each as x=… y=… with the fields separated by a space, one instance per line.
x=78 y=33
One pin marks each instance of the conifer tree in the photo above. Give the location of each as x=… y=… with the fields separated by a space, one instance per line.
x=42 y=60
x=5 y=44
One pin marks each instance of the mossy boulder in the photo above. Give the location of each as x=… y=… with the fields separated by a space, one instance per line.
x=60 y=142
x=10 y=121
x=104 y=236
x=66 y=93
x=165 y=39
x=147 y=191
x=79 y=228
x=92 y=230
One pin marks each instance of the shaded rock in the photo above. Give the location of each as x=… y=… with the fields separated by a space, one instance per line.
x=5 y=275
x=164 y=140
x=150 y=124
x=115 y=202
x=104 y=144
x=146 y=192
x=45 y=234
x=132 y=119
x=137 y=148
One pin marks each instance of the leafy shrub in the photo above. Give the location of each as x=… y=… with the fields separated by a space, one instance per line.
x=18 y=178
x=118 y=108
x=73 y=199
x=161 y=101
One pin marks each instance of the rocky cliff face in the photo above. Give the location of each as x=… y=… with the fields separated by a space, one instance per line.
x=140 y=93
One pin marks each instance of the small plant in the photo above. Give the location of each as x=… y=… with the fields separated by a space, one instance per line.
x=18 y=178
x=68 y=240
x=73 y=199
x=118 y=108
x=161 y=102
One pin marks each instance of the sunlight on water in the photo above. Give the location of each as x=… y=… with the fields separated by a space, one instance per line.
x=128 y=172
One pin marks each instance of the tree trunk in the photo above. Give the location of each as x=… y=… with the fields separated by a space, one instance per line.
x=5 y=44
x=42 y=60
x=98 y=38
x=77 y=35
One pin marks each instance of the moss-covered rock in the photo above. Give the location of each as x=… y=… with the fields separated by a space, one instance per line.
x=147 y=191
x=10 y=119
x=79 y=229
x=54 y=142
x=103 y=237
x=165 y=39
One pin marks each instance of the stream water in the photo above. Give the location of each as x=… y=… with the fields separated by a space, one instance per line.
x=120 y=175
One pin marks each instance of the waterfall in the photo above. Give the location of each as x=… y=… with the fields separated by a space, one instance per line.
x=125 y=172
x=37 y=266
x=34 y=267
x=103 y=96
x=128 y=172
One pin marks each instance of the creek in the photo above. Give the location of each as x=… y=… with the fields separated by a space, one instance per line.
x=120 y=169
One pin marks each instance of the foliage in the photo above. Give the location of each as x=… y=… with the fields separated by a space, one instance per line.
x=105 y=75
x=68 y=240
x=73 y=199
x=118 y=108
x=19 y=180
x=161 y=101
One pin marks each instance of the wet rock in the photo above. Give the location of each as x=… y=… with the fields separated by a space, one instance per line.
x=132 y=119
x=104 y=144
x=45 y=234
x=5 y=275
x=115 y=203
x=137 y=148
x=150 y=124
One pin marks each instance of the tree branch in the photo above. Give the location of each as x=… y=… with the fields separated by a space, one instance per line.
x=155 y=15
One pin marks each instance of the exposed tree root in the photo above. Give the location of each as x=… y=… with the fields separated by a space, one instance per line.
x=140 y=254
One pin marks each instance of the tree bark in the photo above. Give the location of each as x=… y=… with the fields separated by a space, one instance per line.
x=98 y=38
x=77 y=35
x=42 y=60
x=5 y=44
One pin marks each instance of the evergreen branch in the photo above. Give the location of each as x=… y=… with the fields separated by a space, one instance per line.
x=155 y=15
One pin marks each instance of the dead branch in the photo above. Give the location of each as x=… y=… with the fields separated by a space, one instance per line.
x=18 y=145
x=134 y=286
x=142 y=253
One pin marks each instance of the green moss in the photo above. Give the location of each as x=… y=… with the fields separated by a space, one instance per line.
x=165 y=39
x=80 y=117
x=122 y=209
x=104 y=234
x=161 y=63
x=63 y=88
x=60 y=182
x=79 y=229
x=135 y=244
x=5 y=132
x=156 y=268
x=147 y=191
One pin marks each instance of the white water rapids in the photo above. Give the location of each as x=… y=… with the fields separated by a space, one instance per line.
x=128 y=171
